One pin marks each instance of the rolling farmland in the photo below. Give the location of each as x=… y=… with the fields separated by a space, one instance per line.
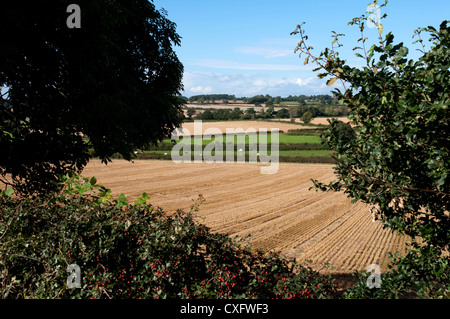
x=297 y=144
x=278 y=211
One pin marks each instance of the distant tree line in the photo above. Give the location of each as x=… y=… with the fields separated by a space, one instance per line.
x=211 y=97
x=294 y=99
x=263 y=99
x=235 y=114
x=305 y=112
x=319 y=110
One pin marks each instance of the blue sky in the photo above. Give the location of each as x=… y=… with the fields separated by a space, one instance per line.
x=244 y=47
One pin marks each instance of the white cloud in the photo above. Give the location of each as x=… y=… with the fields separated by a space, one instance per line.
x=279 y=83
x=251 y=84
x=303 y=82
x=201 y=89
x=234 y=65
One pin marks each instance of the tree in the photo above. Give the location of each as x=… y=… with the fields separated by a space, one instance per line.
x=330 y=111
x=307 y=117
x=190 y=112
x=298 y=111
x=258 y=99
x=206 y=115
x=345 y=131
x=277 y=100
x=250 y=111
x=261 y=114
x=235 y=114
x=270 y=111
x=221 y=114
x=398 y=162
x=282 y=114
x=112 y=85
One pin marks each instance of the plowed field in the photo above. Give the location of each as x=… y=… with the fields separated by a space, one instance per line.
x=278 y=211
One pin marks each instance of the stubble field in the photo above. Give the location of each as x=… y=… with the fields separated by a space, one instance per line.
x=189 y=128
x=277 y=210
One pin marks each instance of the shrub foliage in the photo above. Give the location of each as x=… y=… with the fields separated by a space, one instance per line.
x=134 y=251
x=398 y=159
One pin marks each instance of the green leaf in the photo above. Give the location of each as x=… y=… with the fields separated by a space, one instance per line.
x=8 y=192
x=121 y=200
x=402 y=52
x=93 y=181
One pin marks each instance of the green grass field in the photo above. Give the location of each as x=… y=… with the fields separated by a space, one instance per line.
x=301 y=153
x=292 y=148
x=283 y=139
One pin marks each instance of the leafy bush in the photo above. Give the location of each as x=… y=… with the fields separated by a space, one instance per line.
x=423 y=273
x=397 y=158
x=307 y=117
x=133 y=251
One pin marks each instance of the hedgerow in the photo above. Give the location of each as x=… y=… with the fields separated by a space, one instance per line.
x=126 y=250
x=395 y=156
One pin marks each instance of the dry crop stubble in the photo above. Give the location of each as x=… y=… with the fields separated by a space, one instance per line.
x=245 y=125
x=278 y=211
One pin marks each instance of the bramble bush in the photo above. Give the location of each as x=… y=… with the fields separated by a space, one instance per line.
x=133 y=251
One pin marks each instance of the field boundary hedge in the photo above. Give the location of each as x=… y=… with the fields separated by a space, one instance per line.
x=131 y=251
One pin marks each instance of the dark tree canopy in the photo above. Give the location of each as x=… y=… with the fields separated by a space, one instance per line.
x=112 y=85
